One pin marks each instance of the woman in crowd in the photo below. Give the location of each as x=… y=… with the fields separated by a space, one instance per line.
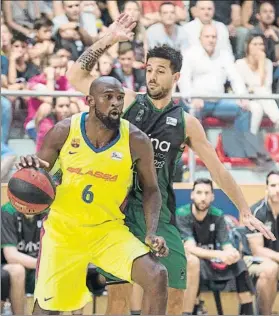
x=257 y=72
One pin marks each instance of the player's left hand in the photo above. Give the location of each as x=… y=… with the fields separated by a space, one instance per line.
x=253 y=223
x=157 y=244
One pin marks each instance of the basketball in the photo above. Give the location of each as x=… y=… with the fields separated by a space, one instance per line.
x=31 y=191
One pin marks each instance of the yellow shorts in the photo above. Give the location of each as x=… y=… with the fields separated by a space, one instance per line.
x=66 y=252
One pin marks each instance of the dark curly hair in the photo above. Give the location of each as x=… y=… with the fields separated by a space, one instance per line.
x=168 y=53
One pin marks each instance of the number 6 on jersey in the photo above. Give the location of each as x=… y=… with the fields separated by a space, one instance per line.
x=87 y=195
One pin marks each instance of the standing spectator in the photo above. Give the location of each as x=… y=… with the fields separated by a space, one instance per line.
x=206 y=70
x=257 y=71
x=20 y=241
x=267 y=211
x=210 y=253
x=167 y=31
x=266 y=18
x=204 y=15
x=130 y=77
x=20 y=15
x=139 y=41
x=151 y=15
x=229 y=13
x=61 y=110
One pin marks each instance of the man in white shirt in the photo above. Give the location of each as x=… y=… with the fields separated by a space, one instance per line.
x=167 y=31
x=205 y=71
x=204 y=15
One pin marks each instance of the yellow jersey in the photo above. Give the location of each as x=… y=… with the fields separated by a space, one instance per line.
x=95 y=181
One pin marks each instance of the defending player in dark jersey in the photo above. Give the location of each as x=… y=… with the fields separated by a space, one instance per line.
x=155 y=117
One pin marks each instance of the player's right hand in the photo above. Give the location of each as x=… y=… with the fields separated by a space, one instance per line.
x=122 y=28
x=157 y=244
x=31 y=161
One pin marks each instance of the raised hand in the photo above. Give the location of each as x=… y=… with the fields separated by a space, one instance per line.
x=122 y=28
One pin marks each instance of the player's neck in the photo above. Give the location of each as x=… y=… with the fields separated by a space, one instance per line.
x=162 y=103
x=98 y=134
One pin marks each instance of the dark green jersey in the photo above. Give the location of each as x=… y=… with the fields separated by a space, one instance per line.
x=20 y=231
x=166 y=130
x=210 y=233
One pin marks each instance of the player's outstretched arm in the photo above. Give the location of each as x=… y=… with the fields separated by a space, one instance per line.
x=79 y=74
x=49 y=152
x=206 y=152
x=143 y=157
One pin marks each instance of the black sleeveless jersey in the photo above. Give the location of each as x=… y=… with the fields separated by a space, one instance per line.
x=166 y=129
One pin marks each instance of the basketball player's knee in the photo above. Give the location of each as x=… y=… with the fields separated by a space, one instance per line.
x=159 y=277
x=193 y=264
x=16 y=271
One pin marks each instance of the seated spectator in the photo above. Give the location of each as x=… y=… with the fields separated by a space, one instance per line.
x=204 y=15
x=139 y=41
x=257 y=71
x=205 y=71
x=6 y=38
x=229 y=13
x=20 y=70
x=13 y=287
x=20 y=15
x=6 y=107
x=105 y=65
x=150 y=11
x=130 y=77
x=20 y=241
x=61 y=110
x=167 y=31
x=52 y=78
x=75 y=26
x=8 y=158
x=210 y=254
x=266 y=18
x=267 y=210
x=249 y=10
x=44 y=46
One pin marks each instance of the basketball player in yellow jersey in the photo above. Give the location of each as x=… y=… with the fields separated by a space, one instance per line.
x=97 y=152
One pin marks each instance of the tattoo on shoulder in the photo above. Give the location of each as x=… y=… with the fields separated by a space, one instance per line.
x=89 y=58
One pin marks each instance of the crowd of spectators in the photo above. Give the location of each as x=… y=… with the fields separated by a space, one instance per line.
x=228 y=46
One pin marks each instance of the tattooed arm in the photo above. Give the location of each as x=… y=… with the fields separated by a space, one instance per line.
x=79 y=74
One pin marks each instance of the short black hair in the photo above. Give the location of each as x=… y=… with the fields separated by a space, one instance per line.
x=43 y=21
x=19 y=37
x=168 y=53
x=272 y=172
x=264 y=2
x=166 y=3
x=203 y=181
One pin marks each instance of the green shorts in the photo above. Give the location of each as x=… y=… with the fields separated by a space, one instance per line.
x=175 y=262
